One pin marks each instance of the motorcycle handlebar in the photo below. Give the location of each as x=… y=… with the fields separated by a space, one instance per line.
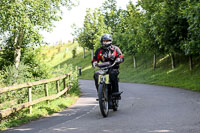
x=107 y=67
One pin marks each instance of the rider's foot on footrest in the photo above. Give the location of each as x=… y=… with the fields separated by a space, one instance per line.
x=118 y=97
x=117 y=93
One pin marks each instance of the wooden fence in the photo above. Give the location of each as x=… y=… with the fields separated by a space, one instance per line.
x=8 y=111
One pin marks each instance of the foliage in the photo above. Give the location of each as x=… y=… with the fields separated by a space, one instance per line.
x=31 y=68
x=111 y=15
x=1 y=79
x=128 y=36
x=7 y=56
x=166 y=25
x=12 y=75
x=156 y=26
x=94 y=27
x=42 y=109
x=21 y=21
x=20 y=24
x=190 y=11
x=33 y=58
x=149 y=40
x=74 y=53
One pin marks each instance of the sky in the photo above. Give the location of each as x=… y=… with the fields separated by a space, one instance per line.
x=62 y=31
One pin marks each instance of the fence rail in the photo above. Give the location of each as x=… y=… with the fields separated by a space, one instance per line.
x=8 y=111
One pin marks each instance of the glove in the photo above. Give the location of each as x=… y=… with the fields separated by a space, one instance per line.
x=94 y=64
x=118 y=60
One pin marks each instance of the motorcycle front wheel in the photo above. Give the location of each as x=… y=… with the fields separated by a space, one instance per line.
x=103 y=99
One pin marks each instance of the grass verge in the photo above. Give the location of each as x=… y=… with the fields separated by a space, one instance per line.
x=180 y=77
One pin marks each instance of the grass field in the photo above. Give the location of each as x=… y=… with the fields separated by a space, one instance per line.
x=181 y=76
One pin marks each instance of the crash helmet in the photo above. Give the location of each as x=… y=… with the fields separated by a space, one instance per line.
x=106 y=40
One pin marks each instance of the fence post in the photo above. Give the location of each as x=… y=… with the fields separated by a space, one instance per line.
x=58 y=86
x=30 y=98
x=46 y=91
x=79 y=71
x=69 y=83
x=64 y=84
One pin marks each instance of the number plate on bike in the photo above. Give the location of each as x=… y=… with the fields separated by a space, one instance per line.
x=104 y=78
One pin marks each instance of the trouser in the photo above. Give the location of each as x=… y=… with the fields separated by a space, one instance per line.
x=113 y=74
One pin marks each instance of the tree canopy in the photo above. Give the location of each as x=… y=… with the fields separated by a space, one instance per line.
x=21 y=21
x=157 y=26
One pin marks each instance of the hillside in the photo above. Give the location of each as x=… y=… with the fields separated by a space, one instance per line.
x=181 y=76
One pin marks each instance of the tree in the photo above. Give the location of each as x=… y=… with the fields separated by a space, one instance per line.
x=79 y=37
x=94 y=27
x=191 y=45
x=111 y=14
x=149 y=41
x=168 y=26
x=127 y=31
x=21 y=21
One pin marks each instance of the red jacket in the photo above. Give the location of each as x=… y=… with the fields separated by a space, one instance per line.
x=110 y=54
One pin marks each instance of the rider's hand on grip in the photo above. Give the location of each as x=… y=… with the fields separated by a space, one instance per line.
x=94 y=64
x=118 y=60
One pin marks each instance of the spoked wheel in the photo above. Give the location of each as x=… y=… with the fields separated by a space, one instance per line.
x=103 y=99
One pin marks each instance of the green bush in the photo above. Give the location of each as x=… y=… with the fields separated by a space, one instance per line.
x=53 y=56
x=74 y=53
x=74 y=77
x=74 y=91
x=44 y=56
x=33 y=59
x=13 y=75
x=31 y=68
x=65 y=55
x=7 y=56
x=59 y=49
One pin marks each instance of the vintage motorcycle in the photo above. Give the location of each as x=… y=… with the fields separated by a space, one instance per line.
x=107 y=99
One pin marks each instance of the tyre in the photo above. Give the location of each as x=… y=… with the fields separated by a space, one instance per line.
x=103 y=99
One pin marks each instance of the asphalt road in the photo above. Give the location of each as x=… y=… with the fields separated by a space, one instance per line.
x=143 y=109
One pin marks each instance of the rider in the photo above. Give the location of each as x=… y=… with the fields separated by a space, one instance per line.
x=108 y=53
